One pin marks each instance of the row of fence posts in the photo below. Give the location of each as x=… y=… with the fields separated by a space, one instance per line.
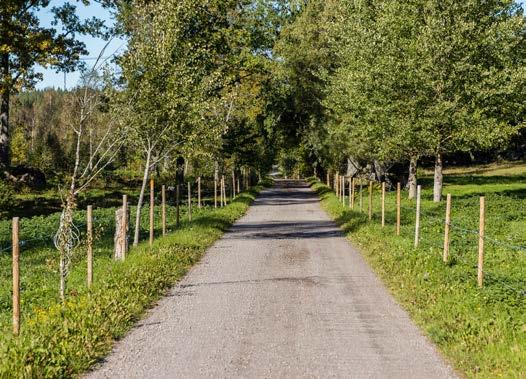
x=339 y=188
x=122 y=231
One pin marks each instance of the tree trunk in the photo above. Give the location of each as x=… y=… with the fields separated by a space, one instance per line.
x=437 y=188
x=120 y=238
x=5 y=160
x=412 y=180
x=141 y=199
x=65 y=241
x=91 y=157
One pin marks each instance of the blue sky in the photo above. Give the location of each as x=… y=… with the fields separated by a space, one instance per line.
x=94 y=45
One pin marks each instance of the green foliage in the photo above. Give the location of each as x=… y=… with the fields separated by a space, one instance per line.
x=308 y=52
x=7 y=196
x=41 y=129
x=481 y=331
x=387 y=80
x=64 y=340
x=411 y=84
x=25 y=42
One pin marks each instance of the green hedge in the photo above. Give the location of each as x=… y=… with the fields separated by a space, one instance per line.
x=66 y=339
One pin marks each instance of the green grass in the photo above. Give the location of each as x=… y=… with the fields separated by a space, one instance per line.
x=481 y=331
x=62 y=340
x=41 y=203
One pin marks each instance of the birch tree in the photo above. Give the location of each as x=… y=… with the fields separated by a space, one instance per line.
x=176 y=68
x=473 y=70
x=86 y=103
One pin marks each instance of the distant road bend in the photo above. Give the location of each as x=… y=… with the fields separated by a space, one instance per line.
x=282 y=294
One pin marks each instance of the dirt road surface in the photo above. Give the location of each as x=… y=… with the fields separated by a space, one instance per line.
x=282 y=294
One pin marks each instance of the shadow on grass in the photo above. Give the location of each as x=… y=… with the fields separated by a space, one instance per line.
x=486 y=181
x=44 y=206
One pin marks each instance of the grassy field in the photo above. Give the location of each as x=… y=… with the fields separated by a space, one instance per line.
x=481 y=331
x=61 y=340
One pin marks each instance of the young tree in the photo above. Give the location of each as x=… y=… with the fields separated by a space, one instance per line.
x=472 y=59
x=177 y=65
x=87 y=101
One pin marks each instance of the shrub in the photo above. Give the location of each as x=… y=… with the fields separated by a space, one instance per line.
x=7 y=196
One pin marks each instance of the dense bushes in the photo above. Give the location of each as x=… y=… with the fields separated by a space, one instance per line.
x=6 y=197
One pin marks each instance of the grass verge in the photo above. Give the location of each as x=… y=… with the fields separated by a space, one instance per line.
x=481 y=331
x=62 y=340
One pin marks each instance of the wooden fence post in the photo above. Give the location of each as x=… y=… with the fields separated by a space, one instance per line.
x=199 y=192
x=343 y=190
x=370 y=200
x=189 y=201
x=223 y=190
x=16 y=276
x=163 y=208
x=361 y=196
x=339 y=193
x=328 y=180
x=340 y=187
x=121 y=229
x=480 y=270
x=417 y=219
x=152 y=215
x=383 y=204
x=178 y=204
x=398 y=205
x=89 y=232
x=446 y=228
x=233 y=185
x=215 y=192
x=124 y=222
x=352 y=192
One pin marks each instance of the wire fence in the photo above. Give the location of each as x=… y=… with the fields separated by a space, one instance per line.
x=504 y=277
x=105 y=217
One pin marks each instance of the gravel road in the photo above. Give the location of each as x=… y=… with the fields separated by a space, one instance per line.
x=282 y=294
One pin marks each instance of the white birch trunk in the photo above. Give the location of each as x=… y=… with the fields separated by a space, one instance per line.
x=412 y=179
x=141 y=198
x=438 y=179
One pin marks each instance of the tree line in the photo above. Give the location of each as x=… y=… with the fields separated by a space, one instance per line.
x=195 y=82
x=360 y=86
x=381 y=82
